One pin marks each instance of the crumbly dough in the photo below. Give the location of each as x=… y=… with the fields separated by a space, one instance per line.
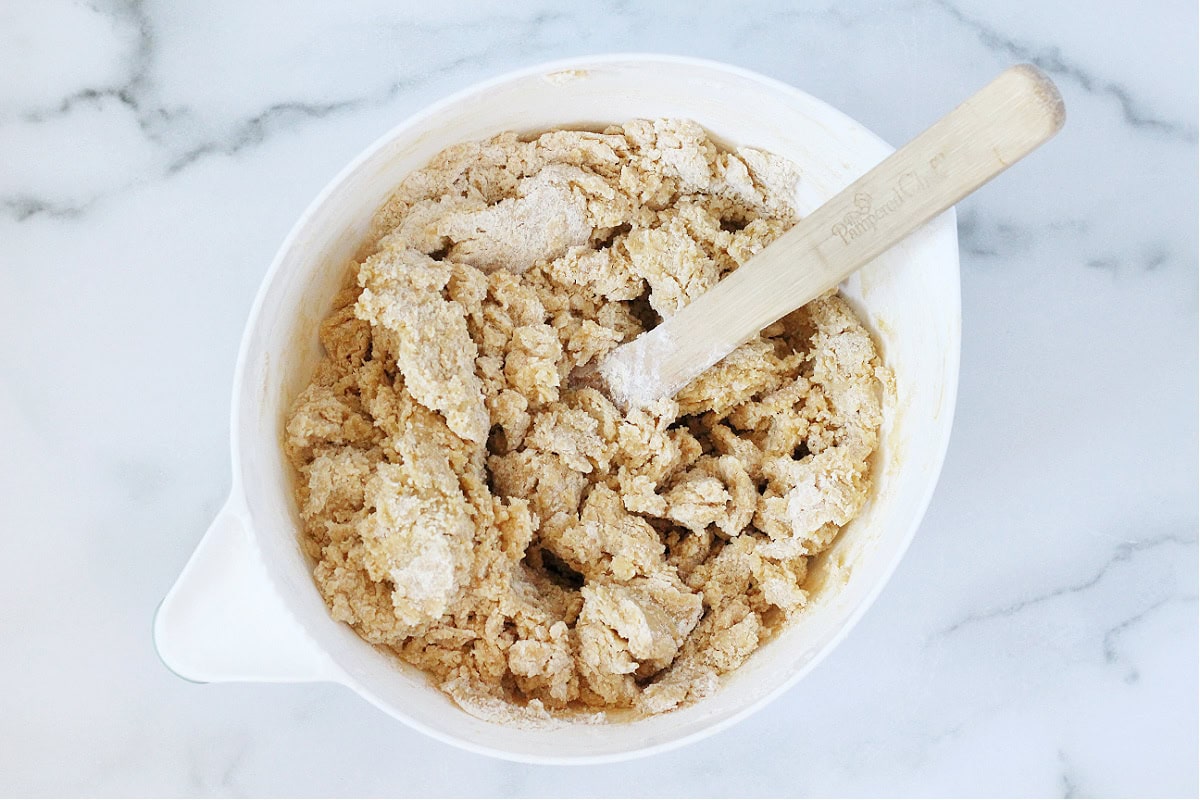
x=521 y=541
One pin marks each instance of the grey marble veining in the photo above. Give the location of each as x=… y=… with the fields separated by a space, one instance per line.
x=1038 y=639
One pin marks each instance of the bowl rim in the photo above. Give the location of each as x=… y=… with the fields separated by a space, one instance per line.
x=584 y=62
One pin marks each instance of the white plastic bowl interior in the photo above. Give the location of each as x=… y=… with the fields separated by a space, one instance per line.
x=246 y=608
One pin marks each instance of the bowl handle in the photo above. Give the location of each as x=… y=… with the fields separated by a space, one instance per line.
x=223 y=619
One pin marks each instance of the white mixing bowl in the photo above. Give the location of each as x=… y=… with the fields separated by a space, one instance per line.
x=246 y=608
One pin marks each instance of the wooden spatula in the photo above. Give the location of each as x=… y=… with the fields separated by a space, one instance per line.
x=975 y=142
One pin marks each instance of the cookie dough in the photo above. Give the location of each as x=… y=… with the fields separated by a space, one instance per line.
x=531 y=548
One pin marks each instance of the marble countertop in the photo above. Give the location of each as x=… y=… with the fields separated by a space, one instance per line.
x=1040 y=638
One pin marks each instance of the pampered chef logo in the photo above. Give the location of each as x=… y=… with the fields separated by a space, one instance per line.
x=867 y=213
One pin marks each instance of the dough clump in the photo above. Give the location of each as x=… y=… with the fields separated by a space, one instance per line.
x=523 y=542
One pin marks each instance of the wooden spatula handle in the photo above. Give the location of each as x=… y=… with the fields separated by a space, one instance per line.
x=996 y=127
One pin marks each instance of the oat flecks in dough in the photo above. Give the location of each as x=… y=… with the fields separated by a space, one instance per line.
x=417 y=538
x=433 y=350
x=537 y=552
